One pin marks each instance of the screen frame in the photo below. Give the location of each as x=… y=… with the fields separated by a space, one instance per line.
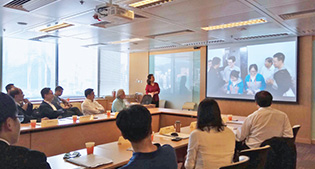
x=225 y=45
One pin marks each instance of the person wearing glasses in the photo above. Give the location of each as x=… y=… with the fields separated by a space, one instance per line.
x=15 y=156
x=24 y=106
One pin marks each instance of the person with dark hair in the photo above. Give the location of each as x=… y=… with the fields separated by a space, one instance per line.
x=264 y=123
x=8 y=87
x=235 y=85
x=49 y=110
x=282 y=80
x=24 y=106
x=268 y=69
x=15 y=156
x=254 y=82
x=212 y=144
x=228 y=69
x=153 y=89
x=135 y=126
x=214 y=79
x=119 y=103
x=57 y=99
x=91 y=106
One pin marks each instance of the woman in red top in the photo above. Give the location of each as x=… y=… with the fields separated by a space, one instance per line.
x=153 y=89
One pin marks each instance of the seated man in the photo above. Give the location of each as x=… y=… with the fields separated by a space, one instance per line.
x=49 y=110
x=56 y=101
x=91 y=106
x=15 y=156
x=8 y=87
x=135 y=125
x=264 y=123
x=118 y=103
x=24 y=106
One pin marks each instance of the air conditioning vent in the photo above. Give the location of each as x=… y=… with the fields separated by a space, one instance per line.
x=261 y=36
x=27 y=5
x=203 y=43
x=95 y=45
x=165 y=47
x=39 y=38
x=168 y=34
x=300 y=14
x=305 y=32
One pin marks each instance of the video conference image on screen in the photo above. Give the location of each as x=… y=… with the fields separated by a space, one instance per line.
x=239 y=71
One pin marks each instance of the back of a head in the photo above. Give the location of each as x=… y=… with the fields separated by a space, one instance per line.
x=88 y=92
x=7 y=108
x=263 y=99
x=9 y=86
x=134 y=123
x=209 y=115
x=14 y=92
x=58 y=88
x=44 y=91
x=216 y=61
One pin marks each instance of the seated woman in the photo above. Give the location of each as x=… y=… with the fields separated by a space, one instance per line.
x=212 y=144
x=235 y=85
x=254 y=82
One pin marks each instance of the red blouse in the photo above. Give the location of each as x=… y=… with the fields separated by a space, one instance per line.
x=154 y=88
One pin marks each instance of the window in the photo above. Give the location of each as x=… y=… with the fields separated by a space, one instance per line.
x=77 y=69
x=30 y=65
x=114 y=72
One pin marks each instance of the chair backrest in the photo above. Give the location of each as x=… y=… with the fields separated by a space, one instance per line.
x=242 y=164
x=257 y=157
x=189 y=105
x=295 y=130
x=146 y=99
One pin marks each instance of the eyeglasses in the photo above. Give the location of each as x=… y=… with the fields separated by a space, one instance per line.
x=20 y=117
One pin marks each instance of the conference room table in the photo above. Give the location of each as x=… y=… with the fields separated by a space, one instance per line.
x=69 y=136
x=121 y=153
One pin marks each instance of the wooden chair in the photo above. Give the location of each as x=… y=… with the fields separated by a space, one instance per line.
x=242 y=164
x=295 y=130
x=189 y=105
x=257 y=157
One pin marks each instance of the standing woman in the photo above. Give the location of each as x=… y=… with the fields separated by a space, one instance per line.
x=153 y=89
x=212 y=144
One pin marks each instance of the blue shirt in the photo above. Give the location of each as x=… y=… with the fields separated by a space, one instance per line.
x=118 y=105
x=163 y=158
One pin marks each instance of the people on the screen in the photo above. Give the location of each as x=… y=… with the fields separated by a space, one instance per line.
x=214 y=79
x=212 y=144
x=268 y=69
x=263 y=124
x=282 y=80
x=15 y=156
x=254 y=82
x=228 y=69
x=235 y=85
x=135 y=124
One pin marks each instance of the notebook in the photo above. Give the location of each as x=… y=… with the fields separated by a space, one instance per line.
x=90 y=161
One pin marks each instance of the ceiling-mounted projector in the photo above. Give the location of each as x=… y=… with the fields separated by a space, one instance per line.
x=113 y=13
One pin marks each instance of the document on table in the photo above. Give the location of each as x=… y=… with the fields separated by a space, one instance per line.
x=90 y=160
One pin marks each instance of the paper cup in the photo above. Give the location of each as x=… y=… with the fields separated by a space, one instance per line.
x=89 y=147
x=33 y=123
x=74 y=118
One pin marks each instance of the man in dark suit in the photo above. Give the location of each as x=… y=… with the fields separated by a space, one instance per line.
x=24 y=106
x=214 y=79
x=15 y=157
x=49 y=110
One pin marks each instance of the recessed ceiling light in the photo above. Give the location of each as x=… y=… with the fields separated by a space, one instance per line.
x=56 y=27
x=146 y=3
x=126 y=41
x=234 y=24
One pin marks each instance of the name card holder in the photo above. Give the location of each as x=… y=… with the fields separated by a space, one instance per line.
x=167 y=130
x=46 y=123
x=86 y=118
x=121 y=141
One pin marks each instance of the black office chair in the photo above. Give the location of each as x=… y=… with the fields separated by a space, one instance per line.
x=146 y=99
x=295 y=130
x=242 y=164
x=257 y=157
x=282 y=153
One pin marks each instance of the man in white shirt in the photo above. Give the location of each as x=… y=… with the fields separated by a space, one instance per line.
x=228 y=69
x=268 y=69
x=91 y=106
x=264 y=123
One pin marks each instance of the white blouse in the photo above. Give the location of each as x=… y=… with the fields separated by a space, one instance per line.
x=210 y=149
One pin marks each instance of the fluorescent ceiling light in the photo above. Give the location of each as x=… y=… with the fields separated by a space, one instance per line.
x=145 y=3
x=56 y=27
x=126 y=41
x=234 y=24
